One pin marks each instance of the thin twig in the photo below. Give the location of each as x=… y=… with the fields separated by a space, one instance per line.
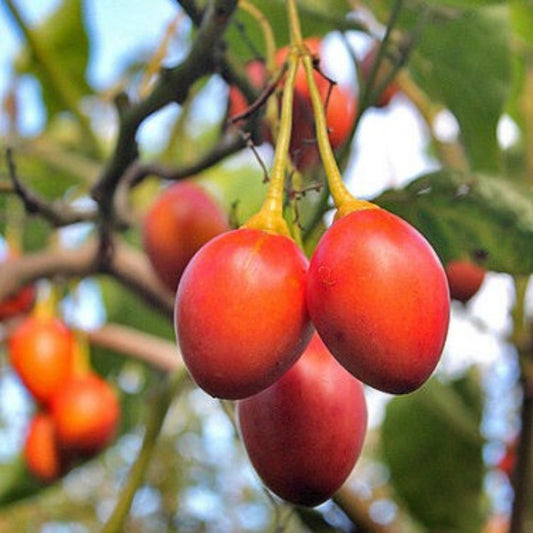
x=58 y=214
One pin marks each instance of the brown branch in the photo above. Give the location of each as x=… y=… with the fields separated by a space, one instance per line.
x=172 y=86
x=126 y=265
x=227 y=145
x=56 y=213
x=162 y=354
x=357 y=511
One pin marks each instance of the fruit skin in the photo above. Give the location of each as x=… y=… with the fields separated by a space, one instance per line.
x=19 y=303
x=41 y=452
x=257 y=74
x=464 y=278
x=378 y=296
x=240 y=314
x=41 y=350
x=180 y=221
x=304 y=434
x=86 y=414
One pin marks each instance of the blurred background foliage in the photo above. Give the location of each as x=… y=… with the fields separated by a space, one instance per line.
x=431 y=458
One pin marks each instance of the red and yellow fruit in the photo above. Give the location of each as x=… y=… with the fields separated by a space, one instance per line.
x=41 y=350
x=240 y=314
x=378 y=296
x=86 y=414
x=464 y=278
x=181 y=220
x=41 y=452
x=304 y=434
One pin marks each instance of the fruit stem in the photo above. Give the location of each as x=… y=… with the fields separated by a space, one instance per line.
x=47 y=301
x=294 y=24
x=266 y=28
x=270 y=216
x=82 y=354
x=344 y=201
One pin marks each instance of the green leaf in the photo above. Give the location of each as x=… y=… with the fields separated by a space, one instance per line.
x=64 y=38
x=16 y=482
x=470 y=216
x=317 y=17
x=432 y=446
x=522 y=19
x=240 y=189
x=463 y=60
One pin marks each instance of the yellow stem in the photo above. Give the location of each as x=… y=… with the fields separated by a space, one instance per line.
x=344 y=201
x=270 y=216
x=268 y=34
x=294 y=23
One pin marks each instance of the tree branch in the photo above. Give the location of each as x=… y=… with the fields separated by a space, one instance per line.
x=58 y=214
x=126 y=265
x=172 y=86
x=157 y=352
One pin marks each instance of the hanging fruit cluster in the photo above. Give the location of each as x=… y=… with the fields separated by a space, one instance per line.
x=78 y=411
x=292 y=340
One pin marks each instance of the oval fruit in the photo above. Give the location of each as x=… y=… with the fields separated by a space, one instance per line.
x=378 y=296
x=240 y=314
x=464 y=278
x=41 y=350
x=181 y=220
x=86 y=414
x=41 y=452
x=304 y=434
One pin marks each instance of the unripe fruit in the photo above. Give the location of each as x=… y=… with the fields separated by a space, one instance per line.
x=304 y=434
x=41 y=452
x=86 y=414
x=41 y=350
x=378 y=296
x=240 y=314
x=181 y=220
x=464 y=278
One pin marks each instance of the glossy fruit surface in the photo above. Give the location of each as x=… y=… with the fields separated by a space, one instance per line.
x=86 y=414
x=41 y=350
x=240 y=314
x=41 y=453
x=465 y=279
x=181 y=220
x=378 y=296
x=304 y=434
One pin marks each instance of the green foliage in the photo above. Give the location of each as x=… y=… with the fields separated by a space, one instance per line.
x=432 y=446
x=464 y=215
x=317 y=18
x=463 y=62
x=64 y=39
